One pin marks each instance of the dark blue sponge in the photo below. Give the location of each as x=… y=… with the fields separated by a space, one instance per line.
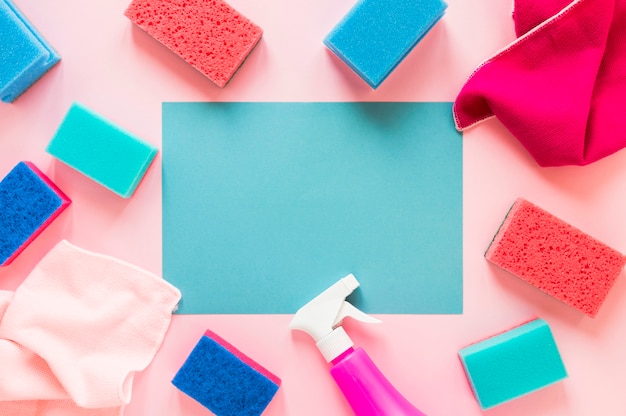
x=224 y=380
x=376 y=35
x=29 y=201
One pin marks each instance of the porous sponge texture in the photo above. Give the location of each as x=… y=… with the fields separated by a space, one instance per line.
x=224 y=380
x=101 y=150
x=376 y=35
x=556 y=257
x=24 y=54
x=29 y=201
x=513 y=363
x=210 y=35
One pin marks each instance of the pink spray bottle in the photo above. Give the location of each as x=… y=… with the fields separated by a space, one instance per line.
x=367 y=390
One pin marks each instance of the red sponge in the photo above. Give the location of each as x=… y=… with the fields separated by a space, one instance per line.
x=556 y=257
x=209 y=34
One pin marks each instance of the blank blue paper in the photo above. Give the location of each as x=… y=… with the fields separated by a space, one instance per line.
x=267 y=204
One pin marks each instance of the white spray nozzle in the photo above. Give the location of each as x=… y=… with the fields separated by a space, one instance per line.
x=321 y=318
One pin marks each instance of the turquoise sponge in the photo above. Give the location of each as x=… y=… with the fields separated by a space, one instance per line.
x=224 y=380
x=376 y=35
x=24 y=54
x=101 y=151
x=29 y=201
x=513 y=363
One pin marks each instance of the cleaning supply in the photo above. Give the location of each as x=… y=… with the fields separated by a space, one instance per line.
x=513 y=363
x=364 y=386
x=559 y=87
x=376 y=35
x=76 y=331
x=555 y=257
x=225 y=380
x=102 y=151
x=25 y=56
x=211 y=36
x=29 y=202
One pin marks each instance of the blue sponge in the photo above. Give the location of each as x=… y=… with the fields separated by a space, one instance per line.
x=376 y=35
x=224 y=380
x=513 y=363
x=102 y=151
x=29 y=201
x=24 y=54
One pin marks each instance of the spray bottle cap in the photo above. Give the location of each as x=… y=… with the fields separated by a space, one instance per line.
x=321 y=318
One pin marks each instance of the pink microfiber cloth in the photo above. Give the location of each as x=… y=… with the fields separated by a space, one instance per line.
x=75 y=332
x=560 y=88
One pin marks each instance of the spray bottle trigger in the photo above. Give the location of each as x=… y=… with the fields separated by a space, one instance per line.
x=349 y=310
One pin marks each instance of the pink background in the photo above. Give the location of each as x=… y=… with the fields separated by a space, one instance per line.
x=120 y=72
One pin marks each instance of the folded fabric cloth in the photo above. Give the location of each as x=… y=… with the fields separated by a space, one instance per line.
x=75 y=332
x=560 y=88
x=5 y=298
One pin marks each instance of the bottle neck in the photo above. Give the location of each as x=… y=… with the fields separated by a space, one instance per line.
x=334 y=344
x=343 y=355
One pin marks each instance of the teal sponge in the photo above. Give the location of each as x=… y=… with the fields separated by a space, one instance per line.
x=101 y=151
x=24 y=54
x=513 y=363
x=225 y=380
x=376 y=35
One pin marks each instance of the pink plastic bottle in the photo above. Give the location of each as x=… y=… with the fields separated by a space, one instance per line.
x=366 y=389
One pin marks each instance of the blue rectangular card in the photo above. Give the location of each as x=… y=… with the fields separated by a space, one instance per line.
x=267 y=204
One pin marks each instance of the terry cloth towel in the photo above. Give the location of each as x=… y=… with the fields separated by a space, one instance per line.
x=560 y=88
x=75 y=332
